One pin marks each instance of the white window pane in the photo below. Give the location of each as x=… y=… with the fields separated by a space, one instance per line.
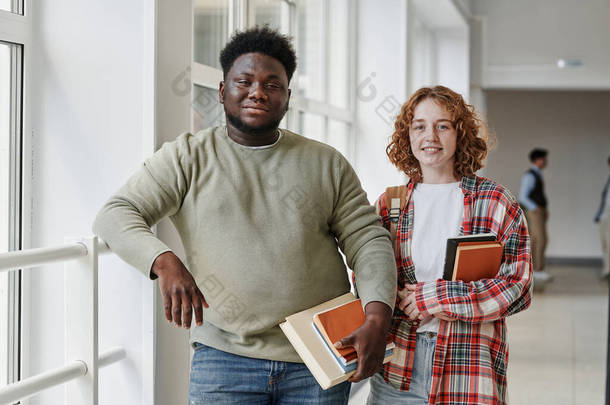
x=338 y=53
x=14 y=6
x=210 y=26
x=338 y=136
x=206 y=109
x=312 y=126
x=5 y=113
x=310 y=49
x=268 y=12
x=4 y=329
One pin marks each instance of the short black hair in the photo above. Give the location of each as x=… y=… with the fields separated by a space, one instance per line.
x=263 y=40
x=538 y=153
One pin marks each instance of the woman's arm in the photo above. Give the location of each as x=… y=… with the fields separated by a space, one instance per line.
x=488 y=299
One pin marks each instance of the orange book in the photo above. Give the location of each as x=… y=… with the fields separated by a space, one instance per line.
x=475 y=261
x=336 y=323
x=312 y=347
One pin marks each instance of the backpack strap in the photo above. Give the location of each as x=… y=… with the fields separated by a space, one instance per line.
x=395 y=200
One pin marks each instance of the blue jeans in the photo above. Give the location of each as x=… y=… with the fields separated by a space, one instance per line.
x=421 y=379
x=219 y=377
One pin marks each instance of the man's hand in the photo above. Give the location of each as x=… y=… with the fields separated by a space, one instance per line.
x=408 y=305
x=179 y=291
x=369 y=340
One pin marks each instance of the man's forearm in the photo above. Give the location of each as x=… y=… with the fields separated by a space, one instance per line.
x=379 y=313
x=126 y=232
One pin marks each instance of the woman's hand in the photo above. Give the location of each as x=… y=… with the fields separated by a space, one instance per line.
x=407 y=302
x=408 y=305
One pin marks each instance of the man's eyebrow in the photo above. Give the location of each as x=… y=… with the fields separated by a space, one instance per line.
x=248 y=74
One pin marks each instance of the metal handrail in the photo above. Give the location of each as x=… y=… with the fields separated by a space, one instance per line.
x=27 y=258
x=35 y=384
x=81 y=302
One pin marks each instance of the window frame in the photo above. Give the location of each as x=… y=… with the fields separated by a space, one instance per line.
x=16 y=29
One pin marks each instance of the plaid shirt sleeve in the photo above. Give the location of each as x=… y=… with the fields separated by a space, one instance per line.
x=382 y=211
x=488 y=299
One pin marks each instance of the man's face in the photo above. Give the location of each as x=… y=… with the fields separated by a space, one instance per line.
x=540 y=162
x=255 y=93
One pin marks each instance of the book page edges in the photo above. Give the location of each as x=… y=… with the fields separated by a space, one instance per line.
x=326 y=381
x=298 y=327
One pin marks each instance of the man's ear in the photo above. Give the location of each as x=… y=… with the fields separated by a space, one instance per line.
x=221 y=92
x=288 y=101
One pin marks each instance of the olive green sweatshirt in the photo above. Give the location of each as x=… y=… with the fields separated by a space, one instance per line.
x=260 y=227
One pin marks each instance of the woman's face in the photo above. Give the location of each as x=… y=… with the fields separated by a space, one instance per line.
x=433 y=139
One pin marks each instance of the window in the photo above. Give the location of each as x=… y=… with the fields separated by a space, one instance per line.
x=212 y=23
x=211 y=30
x=325 y=72
x=269 y=12
x=310 y=49
x=11 y=6
x=12 y=40
x=10 y=114
x=206 y=110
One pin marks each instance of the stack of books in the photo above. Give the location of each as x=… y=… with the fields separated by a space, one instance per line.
x=313 y=333
x=472 y=257
x=334 y=324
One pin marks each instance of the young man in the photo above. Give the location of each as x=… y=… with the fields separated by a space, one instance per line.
x=533 y=199
x=261 y=212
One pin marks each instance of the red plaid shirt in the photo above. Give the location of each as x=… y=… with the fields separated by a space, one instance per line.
x=470 y=360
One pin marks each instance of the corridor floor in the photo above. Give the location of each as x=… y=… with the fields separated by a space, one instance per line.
x=558 y=346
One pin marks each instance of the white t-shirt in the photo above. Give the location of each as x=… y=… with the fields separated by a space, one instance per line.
x=438 y=215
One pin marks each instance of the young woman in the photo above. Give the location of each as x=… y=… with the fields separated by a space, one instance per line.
x=450 y=336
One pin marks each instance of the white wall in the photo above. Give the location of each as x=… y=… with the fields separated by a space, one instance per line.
x=382 y=89
x=390 y=66
x=453 y=59
x=87 y=120
x=440 y=46
x=524 y=39
x=515 y=46
x=570 y=125
x=173 y=118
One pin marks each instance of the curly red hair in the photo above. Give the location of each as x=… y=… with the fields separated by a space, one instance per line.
x=471 y=144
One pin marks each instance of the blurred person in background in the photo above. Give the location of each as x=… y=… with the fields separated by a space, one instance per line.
x=535 y=204
x=602 y=217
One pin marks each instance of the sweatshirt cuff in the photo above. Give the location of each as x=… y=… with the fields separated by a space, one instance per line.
x=141 y=256
x=152 y=275
x=384 y=291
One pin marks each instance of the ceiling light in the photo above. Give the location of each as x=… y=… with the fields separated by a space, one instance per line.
x=569 y=63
